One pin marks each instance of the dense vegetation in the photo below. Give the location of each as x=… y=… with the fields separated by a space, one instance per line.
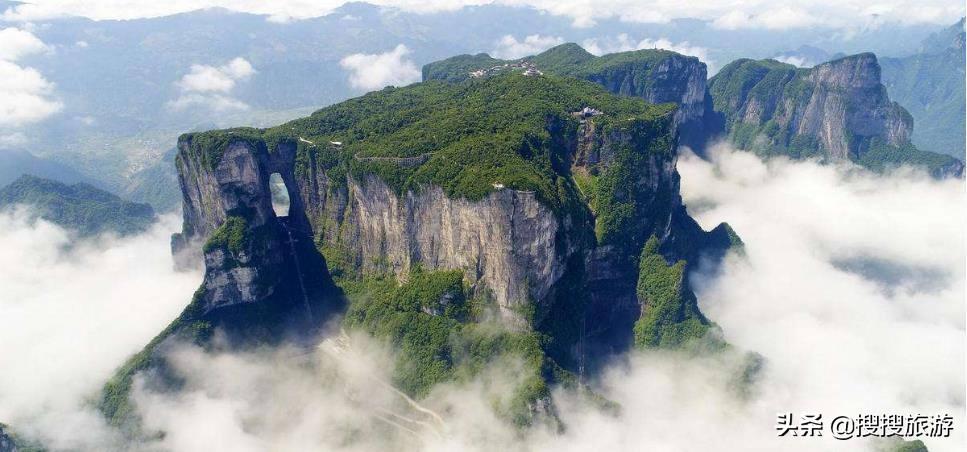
x=881 y=156
x=441 y=334
x=633 y=69
x=670 y=317
x=80 y=207
x=462 y=137
x=457 y=68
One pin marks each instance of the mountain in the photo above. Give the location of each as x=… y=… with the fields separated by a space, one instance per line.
x=838 y=110
x=155 y=184
x=16 y=163
x=456 y=216
x=80 y=207
x=658 y=76
x=930 y=84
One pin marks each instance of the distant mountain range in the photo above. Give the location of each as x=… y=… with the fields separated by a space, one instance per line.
x=79 y=207
x=930 y=84
x=118 y=80
x=837 y=110
x=19 y=162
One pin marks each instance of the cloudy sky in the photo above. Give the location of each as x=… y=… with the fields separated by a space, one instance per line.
x=726 y=14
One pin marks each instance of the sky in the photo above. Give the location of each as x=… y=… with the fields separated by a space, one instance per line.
x=725 y=14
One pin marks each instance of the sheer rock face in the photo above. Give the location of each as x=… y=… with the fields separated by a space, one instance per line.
x=674 y=78
x=849 y=100
x=264 y=264
x=510 y=246
x=505 y=243
x=840 y=104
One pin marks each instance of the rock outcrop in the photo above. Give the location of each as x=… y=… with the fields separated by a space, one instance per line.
x=250 y=254
x=837 y=110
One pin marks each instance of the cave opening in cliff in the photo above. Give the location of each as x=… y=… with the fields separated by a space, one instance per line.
x=280 y=195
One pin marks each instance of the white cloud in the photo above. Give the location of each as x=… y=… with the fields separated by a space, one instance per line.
x=852 y=286
x=508 y=47
x=16 y=43
x=375 y=71
x=69 y=315
x=780 y=18
x=794 y=60
x=13 y=139
x=624 y=43
x=214 y=102
x=583 y=13
x=27 y=95
x=210 y=86
x=203 y=78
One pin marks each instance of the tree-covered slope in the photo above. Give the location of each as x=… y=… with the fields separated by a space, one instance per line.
x=461 y=137
x=656 y=75
x=837 y=110
x=80 y=207
x=930 y=84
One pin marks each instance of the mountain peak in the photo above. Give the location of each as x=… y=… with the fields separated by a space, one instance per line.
x=81 y=207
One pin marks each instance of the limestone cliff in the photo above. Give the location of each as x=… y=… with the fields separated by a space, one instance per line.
x=837 y=110
x=541 y=254
x=265 y=282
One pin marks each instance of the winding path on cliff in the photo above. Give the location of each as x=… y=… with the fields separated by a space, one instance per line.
x=417 y=422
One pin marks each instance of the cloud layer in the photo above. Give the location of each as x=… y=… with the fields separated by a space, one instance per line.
x=211 y=87
x=374 y=71
x=852 y=287
x=26 y=95
x=723 y=13
x=70 y=315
